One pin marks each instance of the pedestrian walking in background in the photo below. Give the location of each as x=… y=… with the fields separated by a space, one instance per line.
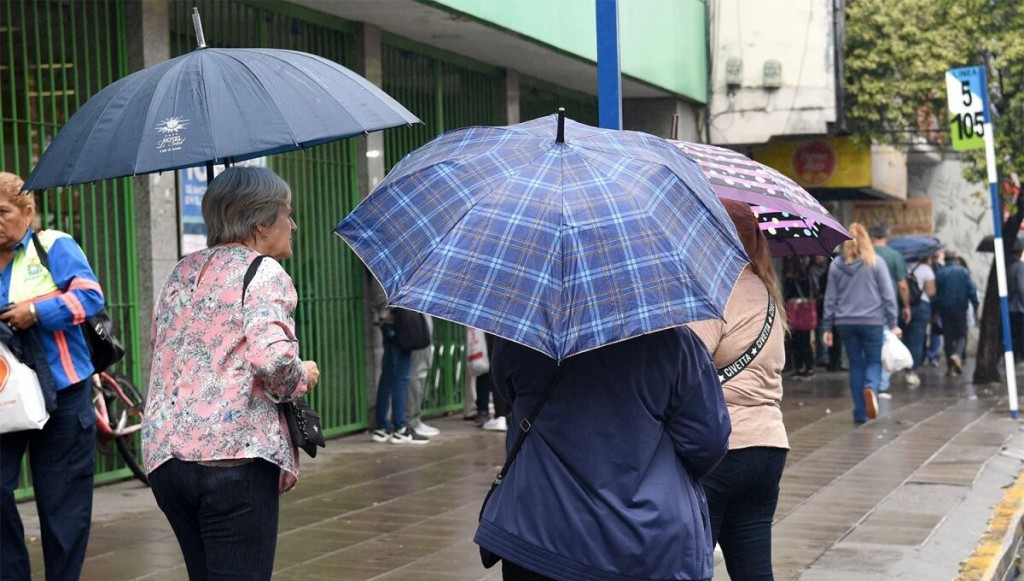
x=1015 y=293
x=48 y=304
x=799 y=293
x=391 y=422
x=214 y=445
x=897 y=266
x=817 y=273
x=743 y=490
x=915 y=331
x=485 y=392
x=860 y=303
x=933 y=346
x=955 y=293
x=419 y=367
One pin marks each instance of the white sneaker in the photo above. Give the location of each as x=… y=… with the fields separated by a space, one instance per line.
x=885 y=395
x=408 y=435
x=428 y=431
x=913 y=380
x=497 y=424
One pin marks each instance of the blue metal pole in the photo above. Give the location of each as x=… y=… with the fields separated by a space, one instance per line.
x=609 y=78
x=997 y=243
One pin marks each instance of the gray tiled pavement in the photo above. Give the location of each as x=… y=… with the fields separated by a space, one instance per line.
x=905 y=496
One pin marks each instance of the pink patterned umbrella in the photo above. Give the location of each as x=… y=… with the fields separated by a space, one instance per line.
x=793 y=221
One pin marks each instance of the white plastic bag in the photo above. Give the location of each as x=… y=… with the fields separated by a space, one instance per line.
x=895 y=355
x=479 y=362
x=22 y=406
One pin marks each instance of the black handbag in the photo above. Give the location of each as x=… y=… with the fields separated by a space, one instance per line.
x=98 y=330
x=304 y=426
x=302 y=421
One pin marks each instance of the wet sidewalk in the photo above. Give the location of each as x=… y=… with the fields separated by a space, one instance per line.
x=907 y=496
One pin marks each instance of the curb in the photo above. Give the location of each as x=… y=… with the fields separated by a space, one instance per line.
x=996 y=551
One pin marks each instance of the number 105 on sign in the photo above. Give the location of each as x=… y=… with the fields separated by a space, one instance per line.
x=968 y=107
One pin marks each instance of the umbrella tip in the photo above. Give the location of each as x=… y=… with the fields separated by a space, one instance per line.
x=560 y=137
x=197 y=22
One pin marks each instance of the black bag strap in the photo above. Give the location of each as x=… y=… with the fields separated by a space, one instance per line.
x=251 y=274
x=733 y=369
x=524 y=429
x=41 y=251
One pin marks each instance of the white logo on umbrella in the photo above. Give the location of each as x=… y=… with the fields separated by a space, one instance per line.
x=170 y=128
x=172 y=125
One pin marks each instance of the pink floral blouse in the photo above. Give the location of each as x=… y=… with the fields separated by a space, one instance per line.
x=219 y=370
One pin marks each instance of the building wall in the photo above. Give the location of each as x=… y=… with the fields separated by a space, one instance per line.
x=961 y=211
x=800 y=37
x=662 y=42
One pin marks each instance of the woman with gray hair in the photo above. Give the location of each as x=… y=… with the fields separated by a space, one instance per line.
x=214 y=444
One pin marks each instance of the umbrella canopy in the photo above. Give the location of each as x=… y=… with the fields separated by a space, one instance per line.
x=987 y=244
x=915 y=248
x=562 y=246
x=792 y=220
x=213 y=106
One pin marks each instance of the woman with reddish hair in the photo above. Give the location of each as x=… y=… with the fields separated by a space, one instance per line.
x=743 y=490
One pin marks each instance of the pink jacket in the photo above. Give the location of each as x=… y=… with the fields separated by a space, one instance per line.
x=219 y=370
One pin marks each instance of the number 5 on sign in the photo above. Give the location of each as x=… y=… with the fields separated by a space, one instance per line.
x=968 y=107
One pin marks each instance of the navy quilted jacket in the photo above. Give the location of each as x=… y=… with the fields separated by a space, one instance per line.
x=606 y=484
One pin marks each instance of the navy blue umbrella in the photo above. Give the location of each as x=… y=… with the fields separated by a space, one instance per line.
x=915 y=248
x=213 y=106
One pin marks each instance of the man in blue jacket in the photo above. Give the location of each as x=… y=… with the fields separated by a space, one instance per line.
x=606 y=484
x=955 y=291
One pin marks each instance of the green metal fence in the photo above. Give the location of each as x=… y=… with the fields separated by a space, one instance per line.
x=538 y=98
x=327 y=275
x=446 y=92
x=54 y=55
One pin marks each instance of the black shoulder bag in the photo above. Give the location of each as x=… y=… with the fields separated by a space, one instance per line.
x=488 y=558
x=733 y=369
x=98 y=330
x=303 y=422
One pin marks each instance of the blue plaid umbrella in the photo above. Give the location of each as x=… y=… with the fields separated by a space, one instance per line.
x=560 y=245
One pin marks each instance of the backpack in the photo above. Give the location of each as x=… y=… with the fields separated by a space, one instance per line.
x=914 y=287
x=411 y=330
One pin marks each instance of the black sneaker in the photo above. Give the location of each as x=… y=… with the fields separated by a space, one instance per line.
x=380 y=436
x=408 y=435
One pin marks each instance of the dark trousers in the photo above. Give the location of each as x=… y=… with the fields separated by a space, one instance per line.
x=915 y=333
x=803 y=354
x=1017 y=335
x=225 y=518
x=954 y=332
x=62 y=461
x=484 y=389
x=395 y=367
x=743 y=491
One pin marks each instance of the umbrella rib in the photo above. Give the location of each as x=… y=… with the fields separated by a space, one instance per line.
x=326 y=90
x=262 y=86
x=710 y=192
x=88 y=136
x=435 y=246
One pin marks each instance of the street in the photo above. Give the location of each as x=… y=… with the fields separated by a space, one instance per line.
x=906 y=496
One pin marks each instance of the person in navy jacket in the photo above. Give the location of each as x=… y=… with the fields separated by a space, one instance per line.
x=607 y=483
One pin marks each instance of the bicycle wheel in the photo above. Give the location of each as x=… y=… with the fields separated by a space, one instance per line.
x=125 y=406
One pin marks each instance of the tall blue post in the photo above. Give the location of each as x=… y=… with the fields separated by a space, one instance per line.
x=997 y=245
x=609 y=78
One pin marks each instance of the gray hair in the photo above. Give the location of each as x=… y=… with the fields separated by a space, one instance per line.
x=240 y=199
